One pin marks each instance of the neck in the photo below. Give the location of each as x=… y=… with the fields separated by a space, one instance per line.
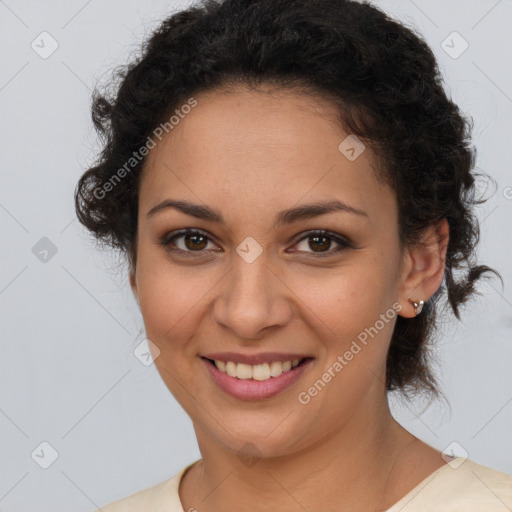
x=352 y=468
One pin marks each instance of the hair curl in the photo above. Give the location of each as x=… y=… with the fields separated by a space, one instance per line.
x=386 y=85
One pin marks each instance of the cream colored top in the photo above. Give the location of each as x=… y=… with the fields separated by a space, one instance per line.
x=460 y=486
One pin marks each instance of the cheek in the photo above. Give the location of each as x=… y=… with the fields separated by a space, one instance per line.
x=173 y=301
x=167 y=300
x=354 y=335
x=169 y=306
x=164 y=294
x=348 y=299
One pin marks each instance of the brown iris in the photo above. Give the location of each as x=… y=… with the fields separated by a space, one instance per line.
x=314 y=240
x=199 y=241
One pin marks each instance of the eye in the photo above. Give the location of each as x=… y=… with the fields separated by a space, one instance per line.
x=189 y=241
x=186 y=241
x=320 y=242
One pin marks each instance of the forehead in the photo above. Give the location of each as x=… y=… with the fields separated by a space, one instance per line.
x=262 y=149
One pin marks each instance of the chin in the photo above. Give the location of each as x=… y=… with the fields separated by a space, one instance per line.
x=256 y=436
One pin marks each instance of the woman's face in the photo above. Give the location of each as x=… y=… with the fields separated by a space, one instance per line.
x=259 y=281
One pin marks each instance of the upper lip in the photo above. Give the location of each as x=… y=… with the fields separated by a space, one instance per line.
x=252 y=359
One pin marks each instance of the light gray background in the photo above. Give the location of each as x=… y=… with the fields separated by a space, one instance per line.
x=69 y=325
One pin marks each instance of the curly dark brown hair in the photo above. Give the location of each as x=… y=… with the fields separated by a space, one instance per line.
x=383 y=80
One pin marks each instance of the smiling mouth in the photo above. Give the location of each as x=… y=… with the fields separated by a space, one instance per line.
x=257 y=372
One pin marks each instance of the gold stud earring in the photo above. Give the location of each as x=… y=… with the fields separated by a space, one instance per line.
x=418 y=306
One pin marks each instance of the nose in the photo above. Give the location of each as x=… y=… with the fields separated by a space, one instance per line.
x=252 y=299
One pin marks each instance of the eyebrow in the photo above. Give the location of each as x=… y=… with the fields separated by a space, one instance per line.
x=289 y=216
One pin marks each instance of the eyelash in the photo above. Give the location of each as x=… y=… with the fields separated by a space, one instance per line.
x=343 y=243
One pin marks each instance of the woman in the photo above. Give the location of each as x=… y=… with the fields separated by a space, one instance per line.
x=291 y=186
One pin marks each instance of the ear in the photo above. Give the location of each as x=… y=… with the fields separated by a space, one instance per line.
x=423 y=267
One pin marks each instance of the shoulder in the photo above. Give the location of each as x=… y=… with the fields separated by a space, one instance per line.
x=477 y=487
x=162 y=497
x=461 y=485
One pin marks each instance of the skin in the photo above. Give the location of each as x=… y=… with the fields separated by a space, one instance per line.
x=251 y=154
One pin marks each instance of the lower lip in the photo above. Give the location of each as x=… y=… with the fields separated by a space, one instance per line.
x=250 y=389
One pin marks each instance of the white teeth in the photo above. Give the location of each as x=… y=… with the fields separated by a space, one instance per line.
x=230 y=368
x=244 y=371
x=259 y=372
x=276 y=368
